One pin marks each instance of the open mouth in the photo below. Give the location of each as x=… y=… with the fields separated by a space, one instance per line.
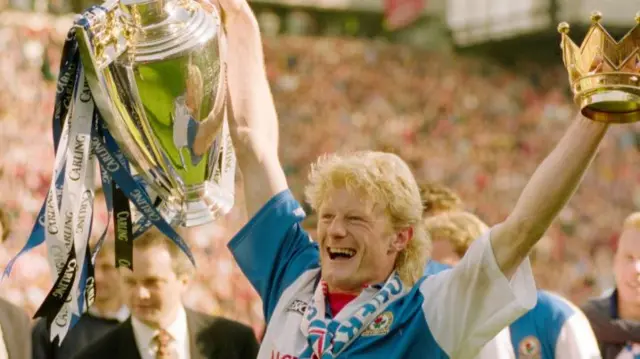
x=340 y=253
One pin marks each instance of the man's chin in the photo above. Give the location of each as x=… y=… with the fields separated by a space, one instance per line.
x=342 y=283
x=148 y=319
x=146 y=314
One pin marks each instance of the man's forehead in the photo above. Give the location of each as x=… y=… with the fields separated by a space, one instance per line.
x=629 y=240
x=141 y=274
x=348 y=197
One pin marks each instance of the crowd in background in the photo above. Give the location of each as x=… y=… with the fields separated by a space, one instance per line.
x=465 y=122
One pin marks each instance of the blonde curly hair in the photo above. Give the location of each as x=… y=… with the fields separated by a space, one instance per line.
x=632 y=221
x=385 y=179
x=438 y=198
x=459 y=228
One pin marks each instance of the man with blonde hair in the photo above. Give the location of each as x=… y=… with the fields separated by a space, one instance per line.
x=448 y=246
x=554 y=328
x=438 y=198
x=451 y=235
x=359 y=290
x=615 y=316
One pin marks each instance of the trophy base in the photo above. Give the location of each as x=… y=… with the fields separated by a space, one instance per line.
x=202 y=204
x=612 y=107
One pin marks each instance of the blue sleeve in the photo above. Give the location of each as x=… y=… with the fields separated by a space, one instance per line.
x=273 y=250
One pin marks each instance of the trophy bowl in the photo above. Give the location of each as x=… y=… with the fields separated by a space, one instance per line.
x=155 y=72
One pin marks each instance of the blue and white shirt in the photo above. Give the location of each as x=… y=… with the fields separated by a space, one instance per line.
x=554 y=328
x=451 y=314
x=499 y=347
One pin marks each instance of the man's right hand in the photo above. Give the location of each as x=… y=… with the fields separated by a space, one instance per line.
x=253 y=121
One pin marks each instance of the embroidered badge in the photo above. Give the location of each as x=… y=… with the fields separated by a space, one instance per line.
x=380 y=325
x=298 y=306
x=529 y=347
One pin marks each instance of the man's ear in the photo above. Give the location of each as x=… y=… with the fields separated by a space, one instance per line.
x=185 y=280
x=401 y=239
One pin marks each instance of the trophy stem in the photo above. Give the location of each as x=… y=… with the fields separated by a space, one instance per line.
x=203 y=204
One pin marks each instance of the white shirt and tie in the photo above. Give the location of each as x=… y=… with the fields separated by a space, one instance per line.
x=179 y=344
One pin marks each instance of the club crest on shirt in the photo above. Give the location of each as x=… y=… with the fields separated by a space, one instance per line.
x=298 y=306
x=529 y=347
x=380 y=325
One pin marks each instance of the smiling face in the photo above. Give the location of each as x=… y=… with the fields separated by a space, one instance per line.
x=358 y=245
x=627 y=266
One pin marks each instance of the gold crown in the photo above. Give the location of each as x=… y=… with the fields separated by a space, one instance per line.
x=604 y=73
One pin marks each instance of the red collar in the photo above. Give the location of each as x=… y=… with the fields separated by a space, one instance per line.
x=337 y=301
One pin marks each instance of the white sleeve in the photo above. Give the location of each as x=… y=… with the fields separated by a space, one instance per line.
x=576 y=339
x=467 y=306
x=499 y=347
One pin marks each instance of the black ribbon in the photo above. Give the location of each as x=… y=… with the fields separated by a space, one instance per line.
x=60 y=291
x=123 y=227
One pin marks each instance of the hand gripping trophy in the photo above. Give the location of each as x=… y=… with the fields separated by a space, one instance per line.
x=141 y=94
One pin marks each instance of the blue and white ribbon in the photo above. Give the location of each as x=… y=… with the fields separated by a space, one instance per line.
x=65 y=219
x=327 y=337
x=76 y=210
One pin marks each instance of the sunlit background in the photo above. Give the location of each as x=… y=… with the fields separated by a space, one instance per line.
x=472 y=93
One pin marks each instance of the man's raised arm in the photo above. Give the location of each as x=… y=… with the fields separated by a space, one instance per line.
x=253 y=120
x=550 y=187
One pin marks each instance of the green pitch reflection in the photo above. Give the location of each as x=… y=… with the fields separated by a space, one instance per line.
x=169 y=90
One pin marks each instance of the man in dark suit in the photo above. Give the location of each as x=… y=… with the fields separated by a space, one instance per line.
x=15 y=332
x=160 y=326
x=106 y=313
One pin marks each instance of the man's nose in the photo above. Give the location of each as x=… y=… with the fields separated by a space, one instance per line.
x=337 y=228
x=142 y=292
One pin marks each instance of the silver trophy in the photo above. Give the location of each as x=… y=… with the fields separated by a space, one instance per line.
x=155 y=71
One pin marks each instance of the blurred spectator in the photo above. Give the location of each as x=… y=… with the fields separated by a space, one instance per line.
x=437 y=198
x=15 y=340
x=451 y=235
x=615 y=317
x=4 y=226
x=14 y=323
x=468 y=123
x=554 y=328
